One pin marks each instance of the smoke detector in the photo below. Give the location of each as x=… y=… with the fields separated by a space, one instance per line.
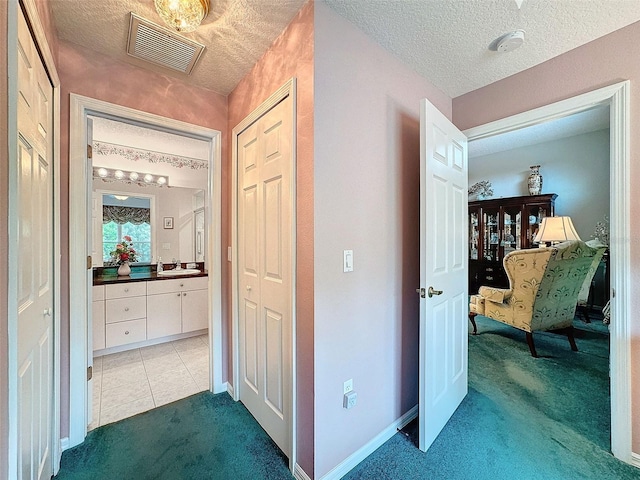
x=508 y=42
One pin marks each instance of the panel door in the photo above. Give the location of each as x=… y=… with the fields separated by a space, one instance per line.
x=443 y=272
x=35 y=262
x=264 y=270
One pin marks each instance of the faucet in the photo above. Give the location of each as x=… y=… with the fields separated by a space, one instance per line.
x=178 y=265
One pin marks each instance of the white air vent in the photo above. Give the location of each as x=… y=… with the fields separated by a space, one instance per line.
x=161 y=46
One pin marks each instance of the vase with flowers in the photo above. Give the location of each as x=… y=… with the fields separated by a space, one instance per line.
x=124 y=254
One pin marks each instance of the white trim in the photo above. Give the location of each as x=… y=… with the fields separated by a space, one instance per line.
x=286 y=90
x=38 y=34
x=80 y=277
x=147 y=343
x=359 y=455
x=228 y=388
x=299 y=473
x=635 y=460
x=64 y=444
x=616 y=96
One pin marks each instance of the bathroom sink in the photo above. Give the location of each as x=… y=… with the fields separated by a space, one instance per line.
x=182 y=271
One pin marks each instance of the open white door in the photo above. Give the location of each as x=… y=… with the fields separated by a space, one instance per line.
x=443 y=272
x=35 y=282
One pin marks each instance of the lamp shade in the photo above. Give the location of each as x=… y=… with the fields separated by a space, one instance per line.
x=556 y=229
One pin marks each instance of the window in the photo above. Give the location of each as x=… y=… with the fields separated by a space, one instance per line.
x=113 y=232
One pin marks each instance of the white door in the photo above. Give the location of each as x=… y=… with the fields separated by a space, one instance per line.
x=264 y=270
x=35 y=263
x=443 y=272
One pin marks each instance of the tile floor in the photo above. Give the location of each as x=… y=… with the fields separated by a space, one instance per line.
x=132 y=382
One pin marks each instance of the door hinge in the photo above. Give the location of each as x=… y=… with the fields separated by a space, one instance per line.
x=89 y=262
x=421 y=291
x=89 y=151
x=89 y=372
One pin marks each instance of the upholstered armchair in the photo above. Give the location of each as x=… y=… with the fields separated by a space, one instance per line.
x=583 y=296
x=544 y=284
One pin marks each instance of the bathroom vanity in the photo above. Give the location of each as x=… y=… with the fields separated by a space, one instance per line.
x=147 y=307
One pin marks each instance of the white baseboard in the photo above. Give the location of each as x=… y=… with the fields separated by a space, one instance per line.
x=299 y=473
x=354 y=459
x=223 y=387
x=635 y=459
x=64 y=444
x=229 y=389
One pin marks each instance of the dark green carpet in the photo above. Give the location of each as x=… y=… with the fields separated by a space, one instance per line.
x=523 y=418
x=204 y=436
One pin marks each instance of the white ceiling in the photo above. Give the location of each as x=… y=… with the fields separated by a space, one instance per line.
x=236 y=33
x=577 y=124
x=445 y=41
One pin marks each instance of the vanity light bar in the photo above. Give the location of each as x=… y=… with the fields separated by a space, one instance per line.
x=131 y=178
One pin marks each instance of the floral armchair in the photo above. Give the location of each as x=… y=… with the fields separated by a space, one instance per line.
x=544 y=288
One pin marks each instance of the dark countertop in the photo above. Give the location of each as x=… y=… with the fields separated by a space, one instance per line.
x=142 y=273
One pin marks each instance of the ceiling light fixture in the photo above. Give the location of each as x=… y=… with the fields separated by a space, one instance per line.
x=182 y=15
x=122 y=198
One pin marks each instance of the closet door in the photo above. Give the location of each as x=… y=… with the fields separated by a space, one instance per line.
x=35 y=263
x=264 y=270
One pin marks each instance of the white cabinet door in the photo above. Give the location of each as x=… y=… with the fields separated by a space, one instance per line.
x=98 y=317
x=194 y=310
x=163 y=315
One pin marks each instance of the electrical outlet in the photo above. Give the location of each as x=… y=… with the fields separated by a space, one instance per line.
x=349 y=400
x=348 y=386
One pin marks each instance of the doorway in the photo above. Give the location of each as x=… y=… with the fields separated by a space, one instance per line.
x=616 y=97
x=81 y=177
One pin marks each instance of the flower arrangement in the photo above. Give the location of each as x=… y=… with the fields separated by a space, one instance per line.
x=602 y=231
x=481 y=189
x=124 y=251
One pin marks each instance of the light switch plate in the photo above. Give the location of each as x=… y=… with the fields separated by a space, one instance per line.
x=348 y=386
x=348 y=261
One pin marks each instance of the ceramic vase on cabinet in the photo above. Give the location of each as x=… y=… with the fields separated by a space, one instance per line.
x=534 y=182
x=124 y=269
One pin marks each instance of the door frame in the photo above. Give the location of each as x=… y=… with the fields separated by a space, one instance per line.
x=80 y=308
x=38 y=33
x=286 y=90
x=617 y=97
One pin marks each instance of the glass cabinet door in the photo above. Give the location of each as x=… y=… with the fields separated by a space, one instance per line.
x=474 y=234
x=534 y=215
x=512 y=225
x=490 y=234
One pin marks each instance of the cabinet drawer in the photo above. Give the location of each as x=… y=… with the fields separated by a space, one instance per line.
x=197 y=283
x=122 y=333
x=121 y=309
x=97 y=292
x=122 y=290
x=164 y=286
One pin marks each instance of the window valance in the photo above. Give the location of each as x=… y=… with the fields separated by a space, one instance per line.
x=122 y=215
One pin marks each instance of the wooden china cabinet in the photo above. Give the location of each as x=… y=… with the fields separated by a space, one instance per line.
x=499 y=226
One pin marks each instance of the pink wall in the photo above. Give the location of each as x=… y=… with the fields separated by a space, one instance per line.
x=602 y=62
x=4 y=237
x=97 y=76
x=46 y=19
x=291 y=55
x=367 y=190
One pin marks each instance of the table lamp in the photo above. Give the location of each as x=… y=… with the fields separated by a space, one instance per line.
x=555 y=230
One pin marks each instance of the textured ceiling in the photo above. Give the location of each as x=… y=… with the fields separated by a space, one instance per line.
x=446 y=41
x=584 y=122
x=236 y=33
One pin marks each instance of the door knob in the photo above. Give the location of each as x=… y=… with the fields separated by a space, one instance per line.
x=431 y=292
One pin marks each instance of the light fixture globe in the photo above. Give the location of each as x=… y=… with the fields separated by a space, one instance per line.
x=182 y=15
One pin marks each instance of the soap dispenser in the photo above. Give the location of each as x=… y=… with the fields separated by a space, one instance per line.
x=160 y=267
